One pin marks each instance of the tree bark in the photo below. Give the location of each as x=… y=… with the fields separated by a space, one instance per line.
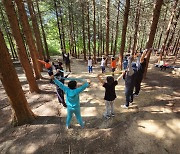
x=88 y=29
x=136 y=27
x=11 y=44
x=20 y=45
x=36 y=30
x=22 y=112
x=117 y=30
x=29 y=38
x=156 y=14
x=58 y=25
x=107 y=26
x=43 y=32
x=124 y=29
x=168 y=29
x=94 y=30
x=83 y=28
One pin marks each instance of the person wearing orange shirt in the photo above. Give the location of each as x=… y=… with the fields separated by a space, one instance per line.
x=47 y=65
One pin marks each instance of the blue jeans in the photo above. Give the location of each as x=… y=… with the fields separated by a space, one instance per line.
x=103 y=69
x=77 y=113
x=90 y=69
x=129 y=95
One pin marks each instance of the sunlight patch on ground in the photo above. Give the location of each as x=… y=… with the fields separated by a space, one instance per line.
x=31 y=148
x=160 y=131
x=88 y=112
x=157 y=109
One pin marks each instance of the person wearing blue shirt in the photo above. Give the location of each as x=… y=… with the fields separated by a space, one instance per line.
x=72 y=99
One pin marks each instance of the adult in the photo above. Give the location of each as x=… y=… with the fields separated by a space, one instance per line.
x=67 y=62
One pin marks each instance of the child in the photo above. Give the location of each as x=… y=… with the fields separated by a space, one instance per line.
x=113 y=64
x=129 y=77
x=125 y=63
x=110 y=94
x=103 y=61
x=140 y=71
x=90 y=65
x=59 y=75
x=72 y=99
x=47 y=65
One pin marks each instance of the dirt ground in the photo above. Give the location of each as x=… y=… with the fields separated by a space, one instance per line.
x=150 y=125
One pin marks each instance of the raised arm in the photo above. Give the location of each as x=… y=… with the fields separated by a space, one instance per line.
x=100 y=79
x=120 y=76
x=41 y=61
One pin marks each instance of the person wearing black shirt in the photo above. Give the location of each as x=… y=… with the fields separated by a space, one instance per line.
x=110 y=94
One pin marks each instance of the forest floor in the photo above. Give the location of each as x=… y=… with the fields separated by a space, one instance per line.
x=150 y=125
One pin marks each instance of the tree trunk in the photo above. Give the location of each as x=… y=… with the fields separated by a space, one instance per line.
x=112 y=39
x=29 y=37
x=94 y=29
x=124 y=29
x=117 y=30
x=11 y=44
x=36 y=30
x=174 y=28
x=62 y=29
x=107 y=26
x=83 y=29
x=22 y=112
x=20 y=45
x=70 y=30
x=168 y=29
x=88 y=29
x=136 y=27
x=43 y=32
x=156 y=14
x=59 y=27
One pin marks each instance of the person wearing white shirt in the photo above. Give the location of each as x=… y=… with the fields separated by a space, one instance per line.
x=90 y=65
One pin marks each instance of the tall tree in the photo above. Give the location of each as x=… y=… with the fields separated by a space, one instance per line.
x=11 y=44
x=94 y=30
x=124 y=29
x=136 y=26
x=88 y=30
x=36 y=29
x=168 y=29
x=58 y=24
x=29 y=37
x=20 y=45
x=107 y=26
x=22 y=114
x=156 y=14
x=117 y=29
x=83 y=29
x=43 y=32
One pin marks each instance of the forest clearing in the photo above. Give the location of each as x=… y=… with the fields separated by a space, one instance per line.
x=89 y=76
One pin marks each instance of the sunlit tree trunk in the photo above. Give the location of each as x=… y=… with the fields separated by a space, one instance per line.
x=13 y=52
x=107 y=26
x=94 y=30
x=29 y=37
x=20 y=45
x=123 y=36
x=83 y=29
x=36 y=30
x=70 y=30
x=43 y=32
x=174 y=28
x=156 y=14
x=112 y=39
x=88 y=30
x=58 y=25
x=136 y=27
x=168 y=29
x=22 y=114
x=117 y=29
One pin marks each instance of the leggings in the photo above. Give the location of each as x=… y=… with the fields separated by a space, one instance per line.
x=77 y=113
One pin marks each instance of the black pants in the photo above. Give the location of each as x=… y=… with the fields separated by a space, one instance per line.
x=137 y=85
x=60 y=94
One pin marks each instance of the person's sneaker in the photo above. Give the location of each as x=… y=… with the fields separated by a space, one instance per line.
x=67 y=127
x=112 y=115
x=124 y=106
x=107 y=117
x=135 y=94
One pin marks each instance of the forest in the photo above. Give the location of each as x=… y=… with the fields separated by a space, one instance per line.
x=36 y=39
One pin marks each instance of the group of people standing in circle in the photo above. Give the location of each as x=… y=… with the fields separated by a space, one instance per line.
x=132 y=75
